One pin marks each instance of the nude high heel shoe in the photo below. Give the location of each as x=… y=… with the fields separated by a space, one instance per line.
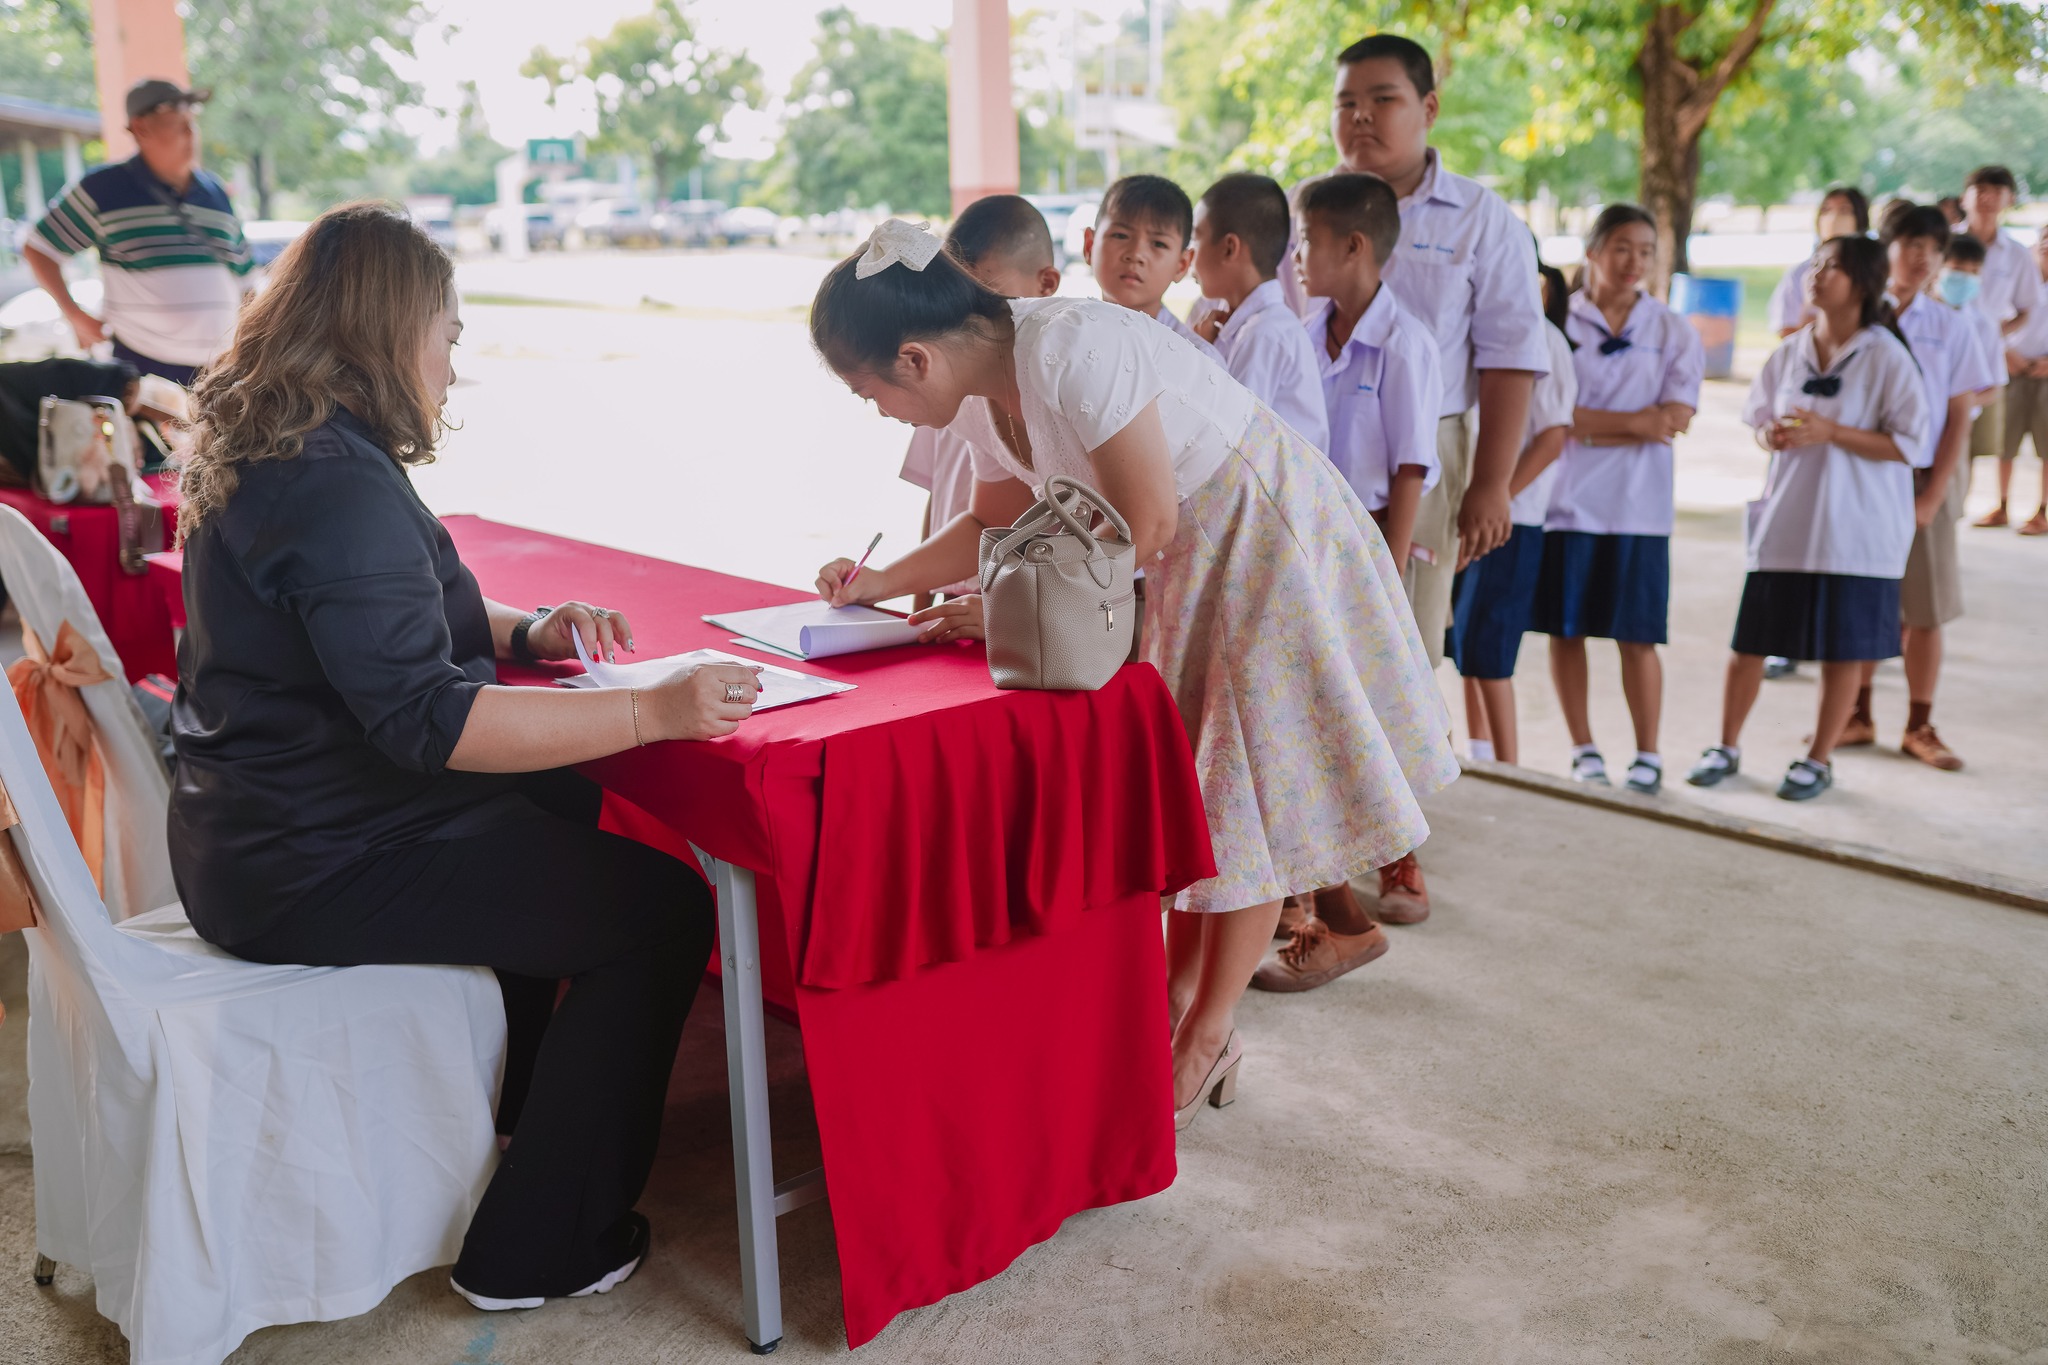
x=1219 y=1087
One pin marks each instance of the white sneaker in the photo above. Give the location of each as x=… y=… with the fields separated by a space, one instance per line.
x=638 y=1244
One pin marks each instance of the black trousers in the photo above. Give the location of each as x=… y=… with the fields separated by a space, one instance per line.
x=540 y=900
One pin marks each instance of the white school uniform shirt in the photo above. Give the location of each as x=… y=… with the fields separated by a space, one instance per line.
x=1466 y=269
x=1788 y=306
x=1265 y=349
x=1085 y=368
x=941 y=462
x=1551 y=404
x=2031 y=340
x=1381 y=394
x=1823 y=509
x=1951 y=358
x=1625 y=490
x=2012 y=282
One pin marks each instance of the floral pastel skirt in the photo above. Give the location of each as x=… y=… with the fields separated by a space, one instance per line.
x=1277 y=618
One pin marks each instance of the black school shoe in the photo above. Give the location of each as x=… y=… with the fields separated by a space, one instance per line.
x=1717 y=762
x=636 y=1233
x=1806 y=779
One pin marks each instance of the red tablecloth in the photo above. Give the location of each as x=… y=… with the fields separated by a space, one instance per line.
x=967 y=882
x=131 y=607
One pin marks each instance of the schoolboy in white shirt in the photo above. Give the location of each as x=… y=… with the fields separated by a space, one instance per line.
x=1380 y=387
x=2010 y=293
x=1466 y=269
x=2026 y=401
x=1241 y=230
x=1141 y=245
x=1953 y=368
x=1004 y=242
x=1240 y=246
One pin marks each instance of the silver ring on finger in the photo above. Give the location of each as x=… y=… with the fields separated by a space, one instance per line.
x=735 y=693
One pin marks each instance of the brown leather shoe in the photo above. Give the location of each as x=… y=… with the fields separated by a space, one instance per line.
x=2037 y=524
x=1403 y=897
x=1314 y=956
x=1922 y=743
x=1857 y=731
x=1992 y=519
x=1293 y=911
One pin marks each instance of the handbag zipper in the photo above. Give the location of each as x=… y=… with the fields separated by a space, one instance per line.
x=1108 y=609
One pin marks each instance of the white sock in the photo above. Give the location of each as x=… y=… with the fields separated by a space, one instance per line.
x=1483 y=748
x=1581 y=749
x=1650 y=760
x=1732 y=750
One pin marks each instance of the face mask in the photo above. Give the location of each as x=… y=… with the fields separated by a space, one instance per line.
x=1958 y=289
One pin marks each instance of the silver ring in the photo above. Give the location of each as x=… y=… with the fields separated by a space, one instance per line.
x=735 y=693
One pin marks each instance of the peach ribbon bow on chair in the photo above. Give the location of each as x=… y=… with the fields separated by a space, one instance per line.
x=46 y=685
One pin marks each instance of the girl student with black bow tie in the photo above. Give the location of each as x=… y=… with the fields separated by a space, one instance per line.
x=1842 y=409
x=1607 y=536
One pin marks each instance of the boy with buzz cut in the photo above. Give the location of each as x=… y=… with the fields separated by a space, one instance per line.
x=1004 y=242
x=1141 y=245
x=1241 y=229
x=1382 y=382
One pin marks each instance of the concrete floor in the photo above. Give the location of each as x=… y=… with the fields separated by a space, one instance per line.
x=1635 y=1093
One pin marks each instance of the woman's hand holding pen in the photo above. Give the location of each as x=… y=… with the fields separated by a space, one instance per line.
x=839 y=586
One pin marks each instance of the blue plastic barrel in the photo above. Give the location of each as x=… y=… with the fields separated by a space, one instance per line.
x=1712 y=307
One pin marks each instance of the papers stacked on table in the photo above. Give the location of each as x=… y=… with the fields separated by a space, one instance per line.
x=812 y=630
x=779 y=686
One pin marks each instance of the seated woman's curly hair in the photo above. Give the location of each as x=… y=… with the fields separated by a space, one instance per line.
x=341 y=322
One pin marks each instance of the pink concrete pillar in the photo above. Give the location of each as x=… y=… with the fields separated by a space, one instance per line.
x=981 y=125
x=133 y=40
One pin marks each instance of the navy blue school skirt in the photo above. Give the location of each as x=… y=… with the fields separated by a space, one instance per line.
x=1608 y=587
x=1833 y=617
x=1495 y=599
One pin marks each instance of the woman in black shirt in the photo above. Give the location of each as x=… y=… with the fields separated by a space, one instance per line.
x=353 y=785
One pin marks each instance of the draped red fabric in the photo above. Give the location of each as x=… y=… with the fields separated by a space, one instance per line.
x=131 y=607
x=966 y=882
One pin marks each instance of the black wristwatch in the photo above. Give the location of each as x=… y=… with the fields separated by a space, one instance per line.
x=520 y=652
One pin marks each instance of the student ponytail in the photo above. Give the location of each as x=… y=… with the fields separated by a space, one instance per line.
x=860 y=324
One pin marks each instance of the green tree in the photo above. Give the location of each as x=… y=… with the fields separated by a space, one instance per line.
x=867 y=122
x=469 y=169
x=304 y=90
x=46 y=51
x=661 y=93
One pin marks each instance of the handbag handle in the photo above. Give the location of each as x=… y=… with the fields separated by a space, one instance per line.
x=1060 y=491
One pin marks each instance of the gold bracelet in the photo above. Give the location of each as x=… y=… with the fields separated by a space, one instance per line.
x=634 y=694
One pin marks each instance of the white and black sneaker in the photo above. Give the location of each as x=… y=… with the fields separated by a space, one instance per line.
x=1645 y=776
x=1589 y=767
x=1716 y=763
x=637 y=1234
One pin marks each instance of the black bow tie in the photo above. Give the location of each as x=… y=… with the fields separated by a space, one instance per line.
x=1615 y=344
x=1823 y=385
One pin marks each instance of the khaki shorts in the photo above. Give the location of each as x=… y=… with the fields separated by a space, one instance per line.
x=1436 y=530
x=1931 y=594
x=1987 y=433
x=2026 y=414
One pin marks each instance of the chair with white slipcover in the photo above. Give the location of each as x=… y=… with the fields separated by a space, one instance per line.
x=226 y=1145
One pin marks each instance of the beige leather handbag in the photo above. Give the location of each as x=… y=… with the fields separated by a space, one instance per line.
x=1056 y=596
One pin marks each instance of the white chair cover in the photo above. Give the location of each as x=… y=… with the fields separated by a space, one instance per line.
x=46 y=590
x=226 y=1145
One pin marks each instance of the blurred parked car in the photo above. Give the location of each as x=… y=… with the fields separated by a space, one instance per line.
x=737 y=227
x=542 y=231
x=614 y=222
x=689 y=222
x=31 y=327
x=268 y=237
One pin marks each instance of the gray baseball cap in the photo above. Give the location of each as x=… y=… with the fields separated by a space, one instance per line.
x=156 y=92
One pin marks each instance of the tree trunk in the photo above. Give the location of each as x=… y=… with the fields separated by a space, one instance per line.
x=1678 y=98
x=259 y=174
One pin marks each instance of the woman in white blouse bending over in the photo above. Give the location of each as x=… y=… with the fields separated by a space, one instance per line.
x=1842 y=409
x=1274 y=612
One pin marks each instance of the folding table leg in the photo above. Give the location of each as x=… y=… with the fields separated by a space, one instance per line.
x=746 y=1066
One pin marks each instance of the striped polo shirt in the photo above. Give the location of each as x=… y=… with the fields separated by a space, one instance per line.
x=174 y=267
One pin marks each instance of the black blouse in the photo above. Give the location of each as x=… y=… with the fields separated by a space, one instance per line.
x=333 y=646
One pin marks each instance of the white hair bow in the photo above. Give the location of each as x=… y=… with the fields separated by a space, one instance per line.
x=893 y=242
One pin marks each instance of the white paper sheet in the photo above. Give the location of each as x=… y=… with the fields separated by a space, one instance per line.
x=812 y=630
x=779 y=686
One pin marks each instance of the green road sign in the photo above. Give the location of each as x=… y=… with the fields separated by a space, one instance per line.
x=551 y=151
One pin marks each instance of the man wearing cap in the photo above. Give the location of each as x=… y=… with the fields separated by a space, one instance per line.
x=172 y=257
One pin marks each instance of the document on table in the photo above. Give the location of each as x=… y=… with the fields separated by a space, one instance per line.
x=779 y=686
x=812 y=630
